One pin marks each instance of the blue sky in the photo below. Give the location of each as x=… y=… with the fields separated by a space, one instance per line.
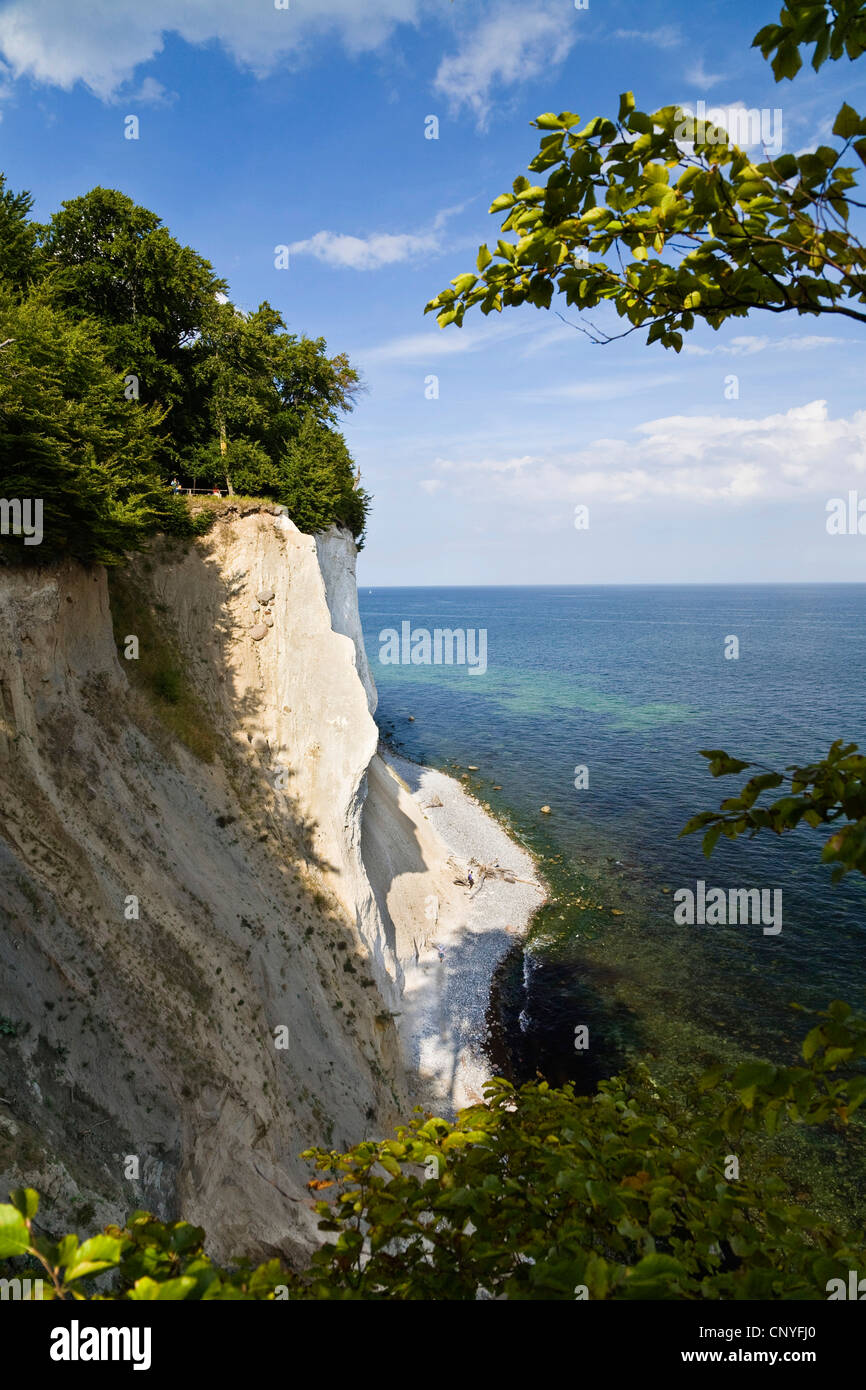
x=305 y=126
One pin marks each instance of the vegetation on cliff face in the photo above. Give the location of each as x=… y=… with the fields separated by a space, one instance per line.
x=536 y=1194
x=122 y=364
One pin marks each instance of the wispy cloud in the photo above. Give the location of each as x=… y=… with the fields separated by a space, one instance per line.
x=703 y=459
x=665 y=36
x=433 y=342
x=505 y=48
x=747 y=345
x=612 y=387
x=148 y=93
x=700 y=78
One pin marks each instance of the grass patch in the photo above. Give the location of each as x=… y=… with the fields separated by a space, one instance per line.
x=159 y=672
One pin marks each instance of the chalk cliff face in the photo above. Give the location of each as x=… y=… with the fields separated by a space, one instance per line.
x=199 y=960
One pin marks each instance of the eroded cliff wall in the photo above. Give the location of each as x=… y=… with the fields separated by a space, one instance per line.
x=164 y=912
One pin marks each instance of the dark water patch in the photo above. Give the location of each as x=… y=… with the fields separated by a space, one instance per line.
x=537 y=1006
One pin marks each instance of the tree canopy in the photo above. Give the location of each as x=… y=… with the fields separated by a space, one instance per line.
x=123 y=363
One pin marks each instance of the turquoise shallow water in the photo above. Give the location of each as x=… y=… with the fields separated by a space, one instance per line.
x=632 y=682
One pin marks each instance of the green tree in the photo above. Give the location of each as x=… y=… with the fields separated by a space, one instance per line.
x=827 y=794
x=19 y=254
x=319 y=487
x=271 y=403
x=110 y=260
x=71 y=439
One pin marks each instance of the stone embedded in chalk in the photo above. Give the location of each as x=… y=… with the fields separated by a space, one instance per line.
x=268 y=620
x=258 y=632
x=265 y=595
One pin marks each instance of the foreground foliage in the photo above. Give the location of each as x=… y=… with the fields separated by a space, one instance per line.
x=536 y=1194
x=829 y=793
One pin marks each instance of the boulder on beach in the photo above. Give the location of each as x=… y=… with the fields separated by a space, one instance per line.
x=258 y=632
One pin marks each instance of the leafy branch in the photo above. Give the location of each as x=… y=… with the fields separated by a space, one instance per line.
x=831 y=792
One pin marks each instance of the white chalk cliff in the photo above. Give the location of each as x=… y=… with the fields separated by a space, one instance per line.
x=200 y=960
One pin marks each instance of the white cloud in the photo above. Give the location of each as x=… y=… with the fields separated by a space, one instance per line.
x=421 y=347
x=700 y=78
x=371 y=252
x=704 y=459
x=102 y=42
x=665 y=36
x=506 y=47
x=365 y=253
x=746 y=345
x=148 y=93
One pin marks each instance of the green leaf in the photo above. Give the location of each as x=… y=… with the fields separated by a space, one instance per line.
x=96 y=1254
x=548 y=122
x=848 y=123
x=711 y=838
x=753 y=1074
x=149 y=1291
x=14 y=1235
x=25 y=1200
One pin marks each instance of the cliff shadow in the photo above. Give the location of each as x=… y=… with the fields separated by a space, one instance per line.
x=182 y=607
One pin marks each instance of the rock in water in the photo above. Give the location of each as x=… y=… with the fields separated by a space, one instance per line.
x=545 y=810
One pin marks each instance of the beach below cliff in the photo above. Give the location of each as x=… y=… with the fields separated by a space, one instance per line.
x=443 y=1020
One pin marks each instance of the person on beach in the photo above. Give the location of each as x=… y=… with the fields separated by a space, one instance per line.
x=471 y=879
x=441 y=950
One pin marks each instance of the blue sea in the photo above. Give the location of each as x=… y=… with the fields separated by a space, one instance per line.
x=631 y=683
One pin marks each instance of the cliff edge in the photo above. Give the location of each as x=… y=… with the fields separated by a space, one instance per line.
x=210 y=884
